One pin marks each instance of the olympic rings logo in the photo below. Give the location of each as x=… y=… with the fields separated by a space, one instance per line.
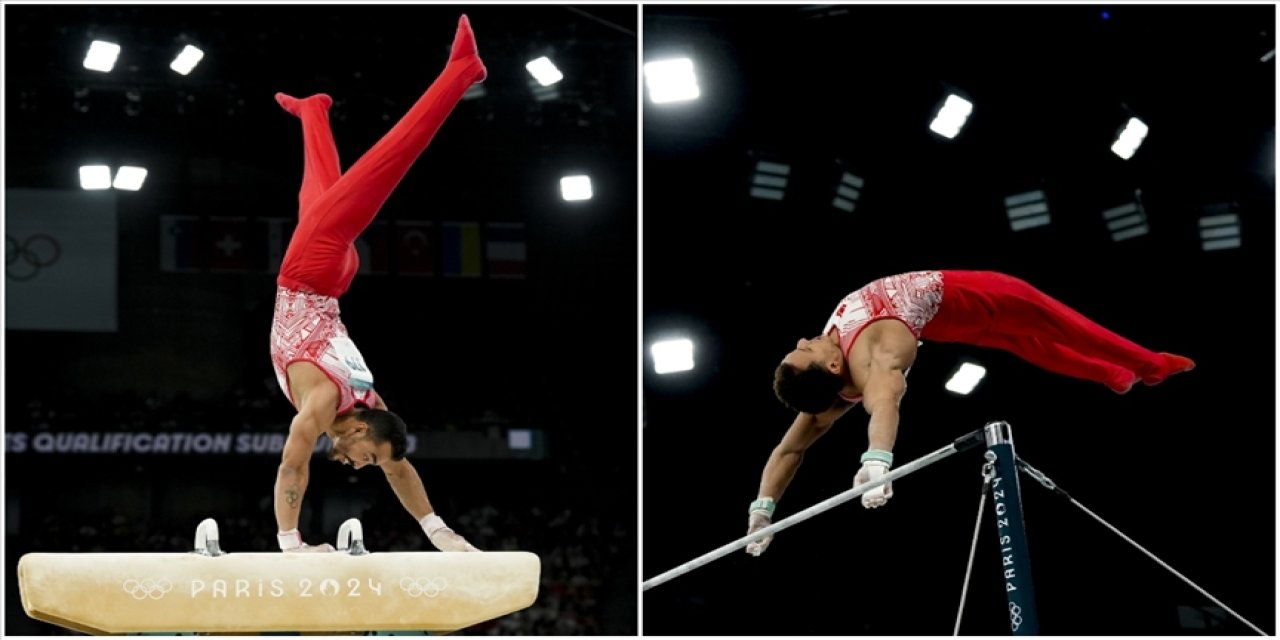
x=429 y=587
x=23 y=260
x=1015 y=616
x=147 y=588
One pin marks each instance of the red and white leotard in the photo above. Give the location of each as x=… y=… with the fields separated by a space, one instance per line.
x=911 y=298
x=304 y=328
x=999 y=311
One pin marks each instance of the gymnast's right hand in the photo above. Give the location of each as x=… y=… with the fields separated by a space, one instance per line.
x=291 y=542
x=760 y=516
x=313 y=548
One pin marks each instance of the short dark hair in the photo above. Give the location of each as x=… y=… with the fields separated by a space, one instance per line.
x=385 y=426
x=812 y=390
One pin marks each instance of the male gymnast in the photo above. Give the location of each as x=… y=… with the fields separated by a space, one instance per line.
x=317 y=365
x=870 y=342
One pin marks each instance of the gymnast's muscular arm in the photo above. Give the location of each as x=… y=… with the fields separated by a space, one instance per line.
x=893 y=350
x=317 y=401
x=786 y=457
x=408 y=486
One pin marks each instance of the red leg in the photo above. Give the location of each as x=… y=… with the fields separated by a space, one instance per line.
x=326 y=230
x=320 y=168
x=986 y=307
x=1062 y=360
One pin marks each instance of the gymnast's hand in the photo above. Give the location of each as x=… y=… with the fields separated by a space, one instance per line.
x=872 y=470
x=442 y=536
x=291 y=542
x=312 y=548
x=447 y=540
x=761 y=516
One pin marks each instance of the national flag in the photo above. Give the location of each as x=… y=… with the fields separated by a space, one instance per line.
x=460 y=248
x=415 y=250
x=231 y=247
x=505 y=249
x=181 y=243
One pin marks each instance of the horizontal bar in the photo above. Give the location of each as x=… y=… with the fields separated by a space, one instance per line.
x=960 y=444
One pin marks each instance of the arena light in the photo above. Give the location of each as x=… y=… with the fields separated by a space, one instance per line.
x=1126 y=221
x=951 y=117
x=671 y=356
x=574 y=188
x=1130 y=138
x=1219 y=228
x=769 y=180
x=966 y=378
x=187 y=60
x=519 y=439
x=130 y=178
x=543 y=93
x=133 y=103
x=1027 y=210
x=847 y=192
x=94 y=177
x=544 y=71
x=101 y=56
x=671 y=80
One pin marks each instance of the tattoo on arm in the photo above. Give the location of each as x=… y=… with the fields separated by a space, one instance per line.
x=291 y=497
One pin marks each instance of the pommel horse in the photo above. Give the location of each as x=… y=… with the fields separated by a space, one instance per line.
x=209 y=591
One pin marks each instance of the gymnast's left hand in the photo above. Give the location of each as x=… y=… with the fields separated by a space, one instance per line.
x=447 y=540
x=442 y=536
x=871 y=471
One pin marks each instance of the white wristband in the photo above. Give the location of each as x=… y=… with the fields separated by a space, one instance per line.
x=289 y=540
x=431 y=523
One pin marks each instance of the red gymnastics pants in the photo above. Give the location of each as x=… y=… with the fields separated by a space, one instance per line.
x=995 y=310
x=335 y=207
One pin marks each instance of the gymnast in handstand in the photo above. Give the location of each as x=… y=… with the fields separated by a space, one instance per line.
x=317 y=365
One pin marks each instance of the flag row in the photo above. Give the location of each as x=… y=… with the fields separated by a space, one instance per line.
x=229 y=244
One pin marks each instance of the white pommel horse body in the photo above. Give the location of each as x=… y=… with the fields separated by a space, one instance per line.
x=208 y=591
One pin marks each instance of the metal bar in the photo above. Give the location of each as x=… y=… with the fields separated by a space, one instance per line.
x=960 y=444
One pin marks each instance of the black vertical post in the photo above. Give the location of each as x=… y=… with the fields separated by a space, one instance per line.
x=1015 y=561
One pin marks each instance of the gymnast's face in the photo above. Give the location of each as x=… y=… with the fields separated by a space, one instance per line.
x=817 y=350
x=358 y=450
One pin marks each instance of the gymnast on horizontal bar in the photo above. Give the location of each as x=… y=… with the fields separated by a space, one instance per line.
x=860 y=358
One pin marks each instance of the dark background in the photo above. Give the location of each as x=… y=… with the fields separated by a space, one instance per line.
x=1186 y=468
x=466 y=357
